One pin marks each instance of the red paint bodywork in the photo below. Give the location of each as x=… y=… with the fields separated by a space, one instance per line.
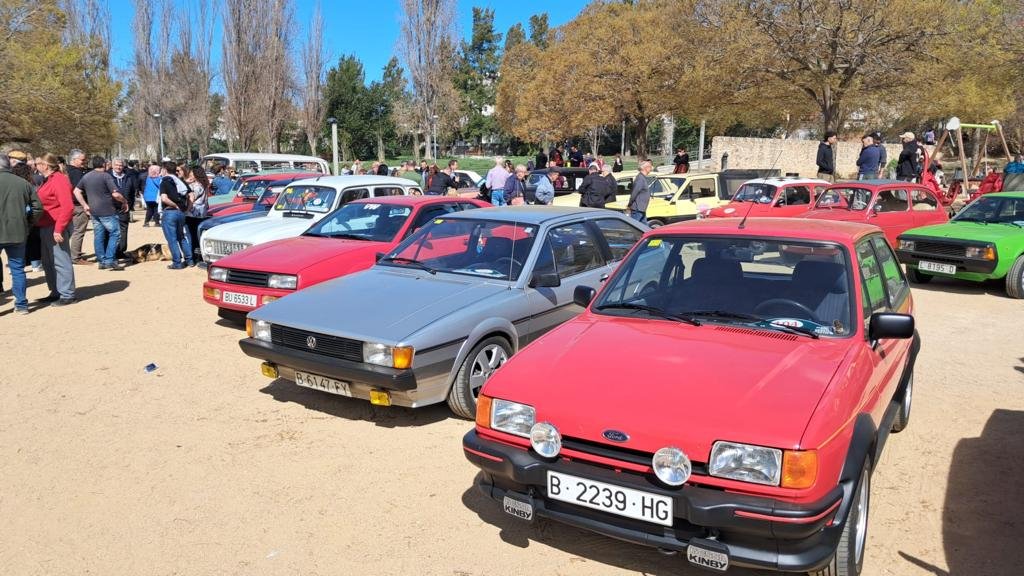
x=672 y=384
x=239 y=198
x=892 y=223
x=739 y=209
x=314 y=260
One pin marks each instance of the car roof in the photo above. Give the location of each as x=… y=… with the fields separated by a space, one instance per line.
x=793 y=228
x=562 y=170
x=783 y=180
x=873 y=183
x=340 y=182
x=413 y=200
x=530 y=214
x=1007 y=194
x=282 y=176
x=263 y=156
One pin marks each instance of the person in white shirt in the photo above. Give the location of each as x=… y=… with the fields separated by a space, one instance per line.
x=495 y=180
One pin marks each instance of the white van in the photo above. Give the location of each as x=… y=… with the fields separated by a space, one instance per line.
x=250 y=162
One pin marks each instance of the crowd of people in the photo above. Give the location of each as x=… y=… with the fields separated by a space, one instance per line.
x=872 y=160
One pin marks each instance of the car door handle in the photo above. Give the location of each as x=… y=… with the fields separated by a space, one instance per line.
x=603 y=277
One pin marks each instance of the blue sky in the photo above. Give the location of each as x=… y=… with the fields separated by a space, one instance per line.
x=369 y=30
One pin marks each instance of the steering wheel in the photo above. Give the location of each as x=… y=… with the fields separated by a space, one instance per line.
x=510 y=260
x=767 y=304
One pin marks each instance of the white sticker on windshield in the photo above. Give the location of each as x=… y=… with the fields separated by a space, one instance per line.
x=528 y=230
x=372 y=206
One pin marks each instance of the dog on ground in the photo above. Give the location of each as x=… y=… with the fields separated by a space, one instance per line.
x=148 y=253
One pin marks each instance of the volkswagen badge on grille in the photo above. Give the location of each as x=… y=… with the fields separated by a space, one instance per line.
x=311 y=341
x=615 y=435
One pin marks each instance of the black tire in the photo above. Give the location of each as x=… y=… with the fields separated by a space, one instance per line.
x=903 y=415
x=486 y=357
x=1015 y=279
x=849 y=557
x=655 y=223
x=917 y=277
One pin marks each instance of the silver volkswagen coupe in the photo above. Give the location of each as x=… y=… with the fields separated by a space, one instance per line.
x=436 y=316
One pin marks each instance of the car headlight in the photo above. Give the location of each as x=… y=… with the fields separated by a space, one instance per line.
x=512 y=417
x=218 y=274
x=907 y=245
x=746 y=463
x=545 y=439
x=283 y=281
x=391 y=356
x=672 y=466
x=208 y=245
x=258 y=329
x=981 y=252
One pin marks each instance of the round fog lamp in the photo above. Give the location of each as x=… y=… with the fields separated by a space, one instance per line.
x=545 y=439
x=671 y=466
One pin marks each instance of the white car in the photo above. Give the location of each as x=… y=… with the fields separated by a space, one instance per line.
x=302 y=203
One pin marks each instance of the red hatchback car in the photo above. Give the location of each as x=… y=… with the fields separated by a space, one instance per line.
x=771 y=197
x=254 y=187
x=346 y=241
x=892 y=205
x=743 y=410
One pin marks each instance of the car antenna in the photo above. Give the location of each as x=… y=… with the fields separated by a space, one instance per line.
x=743 y=222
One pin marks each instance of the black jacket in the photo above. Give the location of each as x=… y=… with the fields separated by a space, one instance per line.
x=909 y=163
x=594 y=191
x=128 y=186
x=826 y=158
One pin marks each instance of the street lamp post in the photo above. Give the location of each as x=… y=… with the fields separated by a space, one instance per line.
x=433 y=137
x=160 y=121
x=334 y=142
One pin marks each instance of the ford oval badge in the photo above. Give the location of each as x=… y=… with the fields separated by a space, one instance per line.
x=615 y=435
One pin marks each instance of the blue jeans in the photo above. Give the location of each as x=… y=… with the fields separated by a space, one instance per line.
x=639 y=216
x=498 y=197
x=16 y=263
x=106 y=232
x=177 y=238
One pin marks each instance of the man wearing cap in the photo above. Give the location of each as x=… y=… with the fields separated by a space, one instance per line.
x=17 y=157
x=908 y=167
x=593 y=189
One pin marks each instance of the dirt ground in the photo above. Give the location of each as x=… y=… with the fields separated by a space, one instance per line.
x=206 y=467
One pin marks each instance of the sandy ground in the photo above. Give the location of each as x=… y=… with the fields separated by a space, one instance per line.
x=206 y=467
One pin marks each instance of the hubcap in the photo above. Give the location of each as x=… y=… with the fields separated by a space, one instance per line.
x=862 y=518
x=484 y=364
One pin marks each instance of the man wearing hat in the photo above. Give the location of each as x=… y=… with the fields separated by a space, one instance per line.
x=908 y=167
x=17 y=157
x=593 y=189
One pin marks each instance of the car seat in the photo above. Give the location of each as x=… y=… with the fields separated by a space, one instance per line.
x=822 y=287
x=714 y=284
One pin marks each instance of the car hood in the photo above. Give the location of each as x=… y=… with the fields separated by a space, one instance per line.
x=968 y=231
x=259 y=230
x=293 y=255
x=382 y=304
x=221 y=220
x=836 y=214
x=670 y=384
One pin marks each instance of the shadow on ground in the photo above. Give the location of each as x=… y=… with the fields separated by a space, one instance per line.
x=585 y=546
x=983 y=516
x=954 y=286
x=96 y=290
x=356 y=409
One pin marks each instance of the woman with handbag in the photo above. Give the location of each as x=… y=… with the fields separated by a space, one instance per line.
x=515 y=187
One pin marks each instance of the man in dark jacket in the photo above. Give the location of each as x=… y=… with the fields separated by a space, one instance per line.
x=593 y=189
x=76 y=170
x=882 y=157
x=611 y=186
x=640 y=196
x=908 y=167
x=19 y=209
x=128 y=185
x=541 y=161
x=869 y=159
x=827 y=157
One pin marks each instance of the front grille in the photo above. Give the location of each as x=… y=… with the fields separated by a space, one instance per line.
x=324 y=344
x=941 y=248
x=623 y=454
x=221 y=248
x=248 y=278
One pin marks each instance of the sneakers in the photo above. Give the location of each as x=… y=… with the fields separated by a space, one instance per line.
x=115 y=267
x=64 y=302
x=175 y=267
x=21 y=311
x=101 y=266
x=50 y=298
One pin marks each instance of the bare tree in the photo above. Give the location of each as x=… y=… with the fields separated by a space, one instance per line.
x=426 y=46
x=314 y=65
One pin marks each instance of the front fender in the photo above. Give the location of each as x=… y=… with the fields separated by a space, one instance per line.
x=499 y=326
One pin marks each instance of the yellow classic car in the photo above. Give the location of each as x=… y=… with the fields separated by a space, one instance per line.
x=624 y=181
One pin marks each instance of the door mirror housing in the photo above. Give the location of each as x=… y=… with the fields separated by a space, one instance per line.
x=545 y=280
x=888 y=325
x=583 y=295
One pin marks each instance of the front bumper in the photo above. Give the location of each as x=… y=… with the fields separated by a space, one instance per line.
x=758 y=532
x=966 y=268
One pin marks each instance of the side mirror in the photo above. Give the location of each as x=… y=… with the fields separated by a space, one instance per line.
x=888 y=325
x=583 y=295
x=876 y=209
x=545 y=280
x=378 y=256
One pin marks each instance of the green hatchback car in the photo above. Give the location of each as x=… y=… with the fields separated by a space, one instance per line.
x=985 y=241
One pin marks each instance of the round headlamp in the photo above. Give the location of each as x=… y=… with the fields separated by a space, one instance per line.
x=545 y=439
x=672 y=466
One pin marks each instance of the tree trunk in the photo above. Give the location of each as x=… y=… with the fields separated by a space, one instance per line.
x=595 y=139
x=312 y=144
x=640 y=137
x=380 y=145
x=416 y=147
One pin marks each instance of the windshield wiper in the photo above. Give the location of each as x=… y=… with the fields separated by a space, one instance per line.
x=753 y=318
x=410 y=261
x=315 y=235
x=346 y=235
x=985 y=222
x=651 y=310
x=297 y=214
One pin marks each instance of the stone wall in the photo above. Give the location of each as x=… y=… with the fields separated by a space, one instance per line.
x=789 y=156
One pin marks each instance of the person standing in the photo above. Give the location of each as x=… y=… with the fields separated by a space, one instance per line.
x=541 y=160
x=869 y=159
x=19 y=209
x=882 y=157
x=640 y=195
x=99 y=197
x=151 y=195
x=495 y=179
x=76 y=170
x=611 y=185
x=617 y=164
x=681 y=161
x=593 y=193
x=515 y=187
x=575 y=157
x=545 y=193
x=174 y=195
x=221 y=183
x=929 y=137
x=199 y=187
x=908 y=166
x=55 y=232
x=827 y=157
x=438 y=181
x=33 y=247
x=127 y=185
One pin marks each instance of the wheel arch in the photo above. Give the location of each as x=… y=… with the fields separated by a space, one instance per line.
x=501 y=327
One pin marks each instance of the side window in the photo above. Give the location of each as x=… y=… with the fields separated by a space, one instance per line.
x=619 y=236
x=545 y=260
x=891 y=201
x=465 y=181
x=895 y=284
x=388 y=191
x=625 y=185
x=656 y=186
x=797 y=196
x=871 y=280
x=414 y=191
x=575 y=249
x=428 y=214
x=704 y=188
x=354 y=194
x=465 y=206
x=922 y=201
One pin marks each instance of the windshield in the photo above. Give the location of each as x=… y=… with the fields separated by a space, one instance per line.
x=755 y=192
x=485 y=248
x=664 y=187
x=374 y=222
x=856 y=199
x=268 y=195
x=994 y=209
x=317 y=199
x=253 y=188
x=757 y=282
